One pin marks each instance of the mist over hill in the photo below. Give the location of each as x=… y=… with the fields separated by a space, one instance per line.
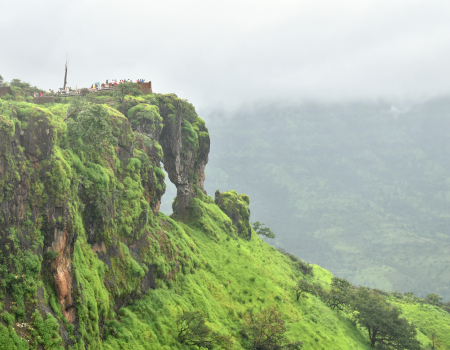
x=362 y=189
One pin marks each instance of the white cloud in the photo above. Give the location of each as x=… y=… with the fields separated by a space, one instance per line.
x=218 y=53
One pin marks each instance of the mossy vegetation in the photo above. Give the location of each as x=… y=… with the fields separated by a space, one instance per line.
x=88 y=262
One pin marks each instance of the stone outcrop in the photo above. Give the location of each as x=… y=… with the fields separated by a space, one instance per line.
x=185 y=154
x=184 y=139
x=236 y=207
x=65 y=211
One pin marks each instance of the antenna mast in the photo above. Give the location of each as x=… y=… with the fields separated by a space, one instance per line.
x=65 y=75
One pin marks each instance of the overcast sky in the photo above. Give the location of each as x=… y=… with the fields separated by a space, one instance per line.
x=218 y=53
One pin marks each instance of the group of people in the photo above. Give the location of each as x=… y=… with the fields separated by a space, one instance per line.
x=112 y=83
x=70 y=91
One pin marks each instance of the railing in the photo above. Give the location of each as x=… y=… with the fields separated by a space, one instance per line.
x=82 y=91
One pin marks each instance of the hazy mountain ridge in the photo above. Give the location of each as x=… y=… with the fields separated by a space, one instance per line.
x=355 y=188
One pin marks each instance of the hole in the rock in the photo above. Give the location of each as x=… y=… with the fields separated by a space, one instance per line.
x=168 y=197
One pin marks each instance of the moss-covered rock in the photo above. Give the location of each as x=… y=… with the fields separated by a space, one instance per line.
x=185 y=141
x=236 y=206
x=78 y=201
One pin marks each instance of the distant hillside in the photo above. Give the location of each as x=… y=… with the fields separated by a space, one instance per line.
x=360 y=189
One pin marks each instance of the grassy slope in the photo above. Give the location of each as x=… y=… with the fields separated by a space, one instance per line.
x=235 y=276
x=428 y=319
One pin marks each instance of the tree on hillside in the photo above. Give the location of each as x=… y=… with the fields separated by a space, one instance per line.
x=434 y=343
x=434 y=298
x=264 y=231
x=340 y=294
x=125 y=89
x=192 y=330
x=266 y=329
x=386 y=329
x=302 y=287
x=27 y=88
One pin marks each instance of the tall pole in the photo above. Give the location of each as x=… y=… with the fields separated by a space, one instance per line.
x=65 y=75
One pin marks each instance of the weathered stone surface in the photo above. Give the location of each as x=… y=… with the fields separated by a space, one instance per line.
x=236 y=207
x=184 y=140
x=183 y=162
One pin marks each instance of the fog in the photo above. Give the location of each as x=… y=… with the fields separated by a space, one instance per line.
x=222 y=54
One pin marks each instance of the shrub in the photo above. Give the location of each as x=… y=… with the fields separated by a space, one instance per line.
x=192 y=330
x=266 y=329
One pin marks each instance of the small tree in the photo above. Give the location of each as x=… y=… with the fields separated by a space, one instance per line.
x=124 y=89
x=264 y=231
x=266 y=329
x=302 y=287
x=434 y=298
x=340 y=294
x=434 y=342
x=386 y=329
x=192 y=330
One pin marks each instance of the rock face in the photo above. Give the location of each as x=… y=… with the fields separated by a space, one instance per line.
x=184 y=140
x=79 y=231
x=236 y=207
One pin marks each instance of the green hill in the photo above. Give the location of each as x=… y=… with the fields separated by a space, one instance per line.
x=87 y=261
x=357 y=188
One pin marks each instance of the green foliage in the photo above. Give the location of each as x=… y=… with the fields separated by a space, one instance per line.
x=21 y=89
x=192 y=330
x=264 y=231
x=191 y=136
x=45 y=332
x=19 y=275
x=8 y=318
x=145 y=118
x=235 y=206
x=433 y=322
x=90 y=131
x=124 y=89
x=434 y=298
x=266 y=330
x=340 y=295
x=383 y=323
x=9 y=340
x=302 y=287
x=7 y=97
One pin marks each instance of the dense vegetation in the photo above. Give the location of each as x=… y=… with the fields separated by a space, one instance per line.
x=360 y=189
x=88 y=262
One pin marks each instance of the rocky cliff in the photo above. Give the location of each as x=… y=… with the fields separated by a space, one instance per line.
x=87 y=261
x=80 y=190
